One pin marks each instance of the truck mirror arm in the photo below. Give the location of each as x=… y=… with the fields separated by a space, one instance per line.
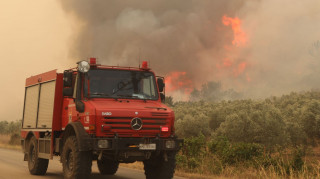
x=163 y=98
x=80 y=107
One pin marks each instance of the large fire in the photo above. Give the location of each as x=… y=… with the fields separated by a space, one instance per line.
x=178 y=80
x=240 y=69
x=230 y=62
x=239 y=37
x=230 y=65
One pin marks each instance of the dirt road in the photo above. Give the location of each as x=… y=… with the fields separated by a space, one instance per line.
x=12 y=166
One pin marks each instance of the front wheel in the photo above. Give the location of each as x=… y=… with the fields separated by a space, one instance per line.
x=36 y=165
x=107 y=166
x=76 y=164
x=159 y=168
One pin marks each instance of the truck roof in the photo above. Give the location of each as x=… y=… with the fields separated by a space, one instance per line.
x=43 y=77
x=52 y=75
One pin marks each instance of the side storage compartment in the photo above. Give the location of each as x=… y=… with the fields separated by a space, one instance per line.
x=46 y=104
x=39 y=105
x=31 y=107
x=42 y=110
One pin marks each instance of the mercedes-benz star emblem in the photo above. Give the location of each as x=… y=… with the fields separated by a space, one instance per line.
x=136 y=123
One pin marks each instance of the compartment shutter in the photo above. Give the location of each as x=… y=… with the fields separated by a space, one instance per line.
x=46 y=104
x=31 y=107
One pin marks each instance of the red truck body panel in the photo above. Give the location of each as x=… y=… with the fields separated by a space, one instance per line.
x=58 y=97
x=41 y=78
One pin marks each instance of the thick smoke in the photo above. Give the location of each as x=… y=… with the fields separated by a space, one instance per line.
x=281 y=52
x=284 y=54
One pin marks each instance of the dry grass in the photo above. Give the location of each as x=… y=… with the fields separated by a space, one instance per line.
x=4 y=143
x=228 y=173
x=310 y=171
x=243 y=172
x=4 y=139
x=139 y=166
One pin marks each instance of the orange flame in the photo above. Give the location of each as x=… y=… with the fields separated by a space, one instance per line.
x=239 y=37
x=230 y=63
x=241 y=67
x=227 y=62
x=178 y=80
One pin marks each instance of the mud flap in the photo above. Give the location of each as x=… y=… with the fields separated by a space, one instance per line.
x=84 y=140
x=25 y=157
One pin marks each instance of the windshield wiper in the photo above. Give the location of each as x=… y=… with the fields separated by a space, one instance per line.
x=100 y=94
x=125 y=96
x=130 y=97
x=121 y=86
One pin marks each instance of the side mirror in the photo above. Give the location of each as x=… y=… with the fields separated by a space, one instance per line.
x=67 y=78
x=161 y=84
x=163 y=98
x=80 y=106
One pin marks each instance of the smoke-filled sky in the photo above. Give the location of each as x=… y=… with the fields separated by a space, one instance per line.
x=259 y=48
x=34 y=38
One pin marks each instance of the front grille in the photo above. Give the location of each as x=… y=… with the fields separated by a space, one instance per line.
x=123 y=123
x=159 y=114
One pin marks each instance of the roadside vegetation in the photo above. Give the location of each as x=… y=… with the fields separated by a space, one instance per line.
x=10 y=134
x=273 y=137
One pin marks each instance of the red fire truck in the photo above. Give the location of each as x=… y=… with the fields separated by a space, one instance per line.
x=110 y=114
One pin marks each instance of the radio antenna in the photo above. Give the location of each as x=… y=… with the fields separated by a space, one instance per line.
x=139 y=56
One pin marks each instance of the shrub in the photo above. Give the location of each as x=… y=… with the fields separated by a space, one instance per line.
x=191 y=152
x=194 y=146
x=192 y=126
x=14 y=139
x=231 y=153
x=297 y=162
x=254 y=122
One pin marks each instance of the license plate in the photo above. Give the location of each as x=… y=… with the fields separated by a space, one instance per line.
x=147 y=146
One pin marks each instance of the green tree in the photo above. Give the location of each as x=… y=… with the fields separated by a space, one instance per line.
x=3 y=127
x=192 y=126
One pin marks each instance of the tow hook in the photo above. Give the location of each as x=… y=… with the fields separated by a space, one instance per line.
x=148 y=155
x=100 y=156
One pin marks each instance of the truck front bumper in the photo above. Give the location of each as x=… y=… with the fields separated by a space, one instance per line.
x=137 y=144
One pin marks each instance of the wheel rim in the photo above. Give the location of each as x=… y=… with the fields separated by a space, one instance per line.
x=69 y=160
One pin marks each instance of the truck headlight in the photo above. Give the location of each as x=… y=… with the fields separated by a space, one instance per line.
x=83 y=66
x=103 y=144
x=170 y=144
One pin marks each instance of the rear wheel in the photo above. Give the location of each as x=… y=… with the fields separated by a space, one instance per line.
x=76 y=164
x=36 y=165
x=158 y=168
x=107 y=166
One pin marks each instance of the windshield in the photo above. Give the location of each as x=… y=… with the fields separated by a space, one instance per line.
x=121 y=84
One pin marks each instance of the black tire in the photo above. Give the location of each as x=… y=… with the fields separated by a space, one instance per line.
x=76 y=164
x=36 y=165
x=157 y=168
x=107 y=166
